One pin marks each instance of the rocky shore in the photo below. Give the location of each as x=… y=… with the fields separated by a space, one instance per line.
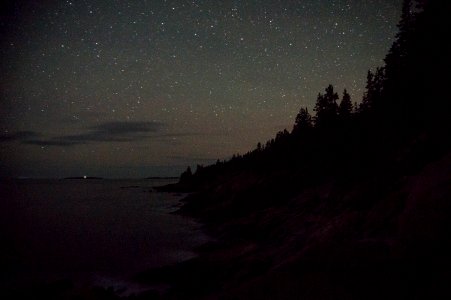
x=381 y=237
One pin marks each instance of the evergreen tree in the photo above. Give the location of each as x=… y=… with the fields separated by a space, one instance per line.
x=326 y=108
x=282 y=135
x=259 y=147
x=303 y=121
x=375 y=83
x=345 y=108
x=366 y=103
x=187 y=175
x=378 y=87
x=378 y=83
x=395 y=59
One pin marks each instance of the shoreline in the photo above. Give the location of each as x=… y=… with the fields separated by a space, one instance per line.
x=310 y=247
x=113 y=275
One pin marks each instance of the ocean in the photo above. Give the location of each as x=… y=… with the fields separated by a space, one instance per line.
x=90 y=231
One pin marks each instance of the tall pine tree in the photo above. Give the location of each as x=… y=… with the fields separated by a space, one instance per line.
x=326 y=108
x=345 y=108
x=303 y=121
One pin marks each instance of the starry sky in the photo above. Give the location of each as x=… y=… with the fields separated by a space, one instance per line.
x=119 y=88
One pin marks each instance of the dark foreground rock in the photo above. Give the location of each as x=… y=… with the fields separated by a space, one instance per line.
x=378 y=238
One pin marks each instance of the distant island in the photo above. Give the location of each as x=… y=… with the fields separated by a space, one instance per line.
x=160 y=177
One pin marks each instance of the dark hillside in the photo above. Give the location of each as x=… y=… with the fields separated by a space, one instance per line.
x=353 y=203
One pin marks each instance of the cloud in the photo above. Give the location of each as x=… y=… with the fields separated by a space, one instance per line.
x=129 y=127
x=110 y=132
x=106 y=132
x=18 y=136
x=115 y=132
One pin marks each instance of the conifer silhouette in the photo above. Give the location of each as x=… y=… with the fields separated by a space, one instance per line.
x=345 y=108
x=303 y=121
x=326 y=108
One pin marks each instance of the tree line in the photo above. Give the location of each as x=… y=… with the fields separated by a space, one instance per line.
x=403 y=99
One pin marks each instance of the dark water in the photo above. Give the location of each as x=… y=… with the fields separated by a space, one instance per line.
x=90 y=231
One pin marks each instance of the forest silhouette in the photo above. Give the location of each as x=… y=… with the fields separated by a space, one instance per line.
x=404 y=107
x=352 y=203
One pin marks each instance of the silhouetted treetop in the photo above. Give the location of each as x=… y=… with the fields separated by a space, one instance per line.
x=187 y=175
x=373 y=90
x=326 y=108
x=303 y=121
x=345 y=108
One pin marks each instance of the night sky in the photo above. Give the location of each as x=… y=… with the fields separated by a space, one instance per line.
x=145 y=88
